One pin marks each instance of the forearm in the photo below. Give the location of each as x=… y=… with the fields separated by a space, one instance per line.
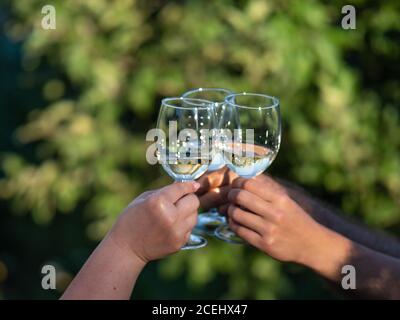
x=377 y=275
x=109 y=273
x=329 y=217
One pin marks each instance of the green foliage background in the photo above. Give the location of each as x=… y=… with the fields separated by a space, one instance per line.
x=76 y=103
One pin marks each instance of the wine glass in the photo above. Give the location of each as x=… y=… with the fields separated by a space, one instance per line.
x=209 y=221
x=251 y=136
x=185 y=142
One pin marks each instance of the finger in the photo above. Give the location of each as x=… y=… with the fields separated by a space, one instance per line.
x=190 y=222
x=143 y=196
x=211 y=180
x=215 y=179
x=184 y=238
x=187 y=237
x=262 y=186
x=146 y=194
x=246 y=234
x=214 y=197
x=175 y=191
x=187 y=205
x=247 y=219
x=266 y=178
x=252 y=202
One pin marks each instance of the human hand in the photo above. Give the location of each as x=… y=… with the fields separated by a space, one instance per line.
x=264 y=215
x=158 y=222
x=214 y=189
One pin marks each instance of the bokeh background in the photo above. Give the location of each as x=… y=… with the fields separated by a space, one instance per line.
x=76 y=103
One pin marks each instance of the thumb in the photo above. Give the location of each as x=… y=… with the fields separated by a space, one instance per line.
x=175 y=191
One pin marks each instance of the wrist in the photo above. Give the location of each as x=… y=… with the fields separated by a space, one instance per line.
x=327 y=253
x=125 y=251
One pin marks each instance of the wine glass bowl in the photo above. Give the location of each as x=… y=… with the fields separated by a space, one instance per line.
x=210 y=220
x=185 y=142
x=185 y=148
x=251 y=137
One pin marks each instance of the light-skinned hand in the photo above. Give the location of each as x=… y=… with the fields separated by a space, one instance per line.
x=158 y=222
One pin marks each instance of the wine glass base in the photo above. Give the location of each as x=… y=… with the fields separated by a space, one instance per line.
x=207 y=223
x=194 y=242
x=224 y=233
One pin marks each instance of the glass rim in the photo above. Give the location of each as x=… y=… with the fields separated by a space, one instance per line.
x=275 y=100
x=195 y=103
x=202 y=89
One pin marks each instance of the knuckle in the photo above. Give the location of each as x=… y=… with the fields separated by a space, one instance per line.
x=167 y=221
x=241 y=196
x=235 y=213
x=156 y=202
x=195 y=201
x=271 y=241
x=282 y=197
x=279 y=216
x=268 y=241
x=247 y=184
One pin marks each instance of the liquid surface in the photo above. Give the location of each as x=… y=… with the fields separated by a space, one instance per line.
x=184 y=171
x=248 y=163
x=183 y=164
x=217 y=162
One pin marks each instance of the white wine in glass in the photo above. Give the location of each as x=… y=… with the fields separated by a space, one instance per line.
x=184 y=169
x=258 y=115
x=185 y=154
x=248 y=160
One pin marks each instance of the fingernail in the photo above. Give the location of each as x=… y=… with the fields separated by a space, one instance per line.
x=196 y=185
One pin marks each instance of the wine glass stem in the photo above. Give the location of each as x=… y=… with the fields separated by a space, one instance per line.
x=195 y=241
